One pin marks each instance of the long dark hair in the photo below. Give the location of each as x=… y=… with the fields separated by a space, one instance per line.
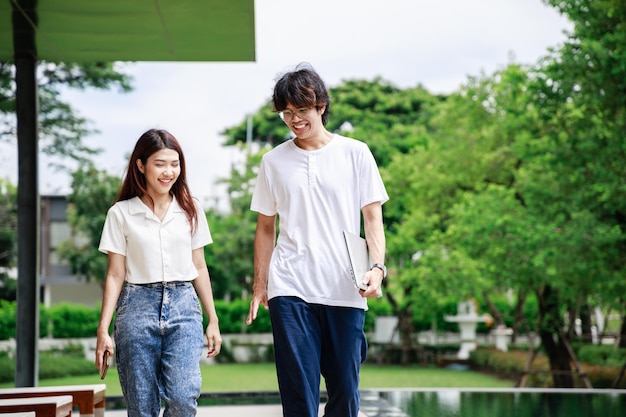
x=302 y=87
x=134 y=184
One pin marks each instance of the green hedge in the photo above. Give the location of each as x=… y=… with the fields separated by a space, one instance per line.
x=601 y=355
x=69 y=361
x=74 y=320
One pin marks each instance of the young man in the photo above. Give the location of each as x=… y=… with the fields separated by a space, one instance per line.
x=318 y=185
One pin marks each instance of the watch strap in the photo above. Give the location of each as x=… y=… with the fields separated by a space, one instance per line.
x=382 y=267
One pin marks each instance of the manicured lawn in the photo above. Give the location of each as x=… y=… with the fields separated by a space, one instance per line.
x=262 y=377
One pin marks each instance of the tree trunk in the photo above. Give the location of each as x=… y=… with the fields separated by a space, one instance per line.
x=498 y=318
x=405 y=330
x=519 y=315
x=550 y=325
x=405 y=327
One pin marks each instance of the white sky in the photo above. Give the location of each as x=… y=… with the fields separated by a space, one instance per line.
x=436 y=43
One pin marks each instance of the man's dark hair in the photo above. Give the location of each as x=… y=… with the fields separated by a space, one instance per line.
x=302 y=88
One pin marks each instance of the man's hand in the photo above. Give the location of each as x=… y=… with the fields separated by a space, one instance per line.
x=258 y=298
x=374 y=281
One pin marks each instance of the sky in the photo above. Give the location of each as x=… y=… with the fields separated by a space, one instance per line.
x=434 y=43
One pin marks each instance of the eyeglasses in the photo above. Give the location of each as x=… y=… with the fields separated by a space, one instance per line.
x=287 y=115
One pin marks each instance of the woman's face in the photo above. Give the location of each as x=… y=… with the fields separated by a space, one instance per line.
x=161 y=171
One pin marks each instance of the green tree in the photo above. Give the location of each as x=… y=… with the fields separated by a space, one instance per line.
x=93 y=193
x=61 y=130
x=230 y=257
x=520 y=184
x=585 y=104
x=8 y=232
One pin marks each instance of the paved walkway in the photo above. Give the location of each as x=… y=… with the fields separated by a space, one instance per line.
x=230 y=411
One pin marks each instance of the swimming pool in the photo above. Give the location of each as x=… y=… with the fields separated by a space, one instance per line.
x=496 y=402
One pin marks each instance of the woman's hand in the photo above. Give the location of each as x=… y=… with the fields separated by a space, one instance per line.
x=214 y=340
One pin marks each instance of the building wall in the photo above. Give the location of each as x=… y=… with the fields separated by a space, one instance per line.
x=58 y=284
x=85 y=293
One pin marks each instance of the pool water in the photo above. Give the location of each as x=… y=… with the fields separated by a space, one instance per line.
x=447 y=402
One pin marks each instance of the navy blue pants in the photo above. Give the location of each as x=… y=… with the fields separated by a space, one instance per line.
x=314 y=340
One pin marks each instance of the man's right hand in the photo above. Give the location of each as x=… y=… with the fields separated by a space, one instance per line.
x=257 y=300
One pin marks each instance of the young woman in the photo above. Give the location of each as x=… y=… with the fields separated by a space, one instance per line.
x=154 y=236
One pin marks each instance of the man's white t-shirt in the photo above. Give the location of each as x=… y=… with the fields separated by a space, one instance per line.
x=316 y=195
x=155 y=251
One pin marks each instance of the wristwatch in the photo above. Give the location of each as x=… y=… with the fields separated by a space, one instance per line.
x=382 y=267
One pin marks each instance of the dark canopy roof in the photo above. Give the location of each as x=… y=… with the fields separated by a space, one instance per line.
x=131 y=30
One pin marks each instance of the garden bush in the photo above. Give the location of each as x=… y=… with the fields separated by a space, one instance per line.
x=59 y=363
x=73 y=321
x=76 y=320
x=53 y=365
x=602 y=355
x=7 y=368
x=7 y=319
x=511 y=365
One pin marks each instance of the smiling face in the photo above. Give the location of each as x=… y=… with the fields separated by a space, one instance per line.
x=161 y=171
x=305 y=122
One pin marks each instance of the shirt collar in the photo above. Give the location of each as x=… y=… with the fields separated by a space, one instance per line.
x=136 y=206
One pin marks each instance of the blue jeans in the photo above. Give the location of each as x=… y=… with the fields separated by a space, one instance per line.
x=159 y=338
x=312 y=340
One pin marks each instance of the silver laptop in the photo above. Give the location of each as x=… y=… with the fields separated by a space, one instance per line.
x=359 y=260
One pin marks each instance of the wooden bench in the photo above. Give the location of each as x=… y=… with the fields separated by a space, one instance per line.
x=24 y=414
x=56 y=406
x=90 y=399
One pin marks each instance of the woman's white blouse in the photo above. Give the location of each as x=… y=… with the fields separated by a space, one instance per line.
x=155 y=251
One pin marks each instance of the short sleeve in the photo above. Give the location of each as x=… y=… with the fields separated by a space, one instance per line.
x=373 y=187
x=113 y=237
x=262 y=199
x=202 y=235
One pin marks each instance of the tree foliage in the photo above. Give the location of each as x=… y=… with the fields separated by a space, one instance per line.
x=93 y=193
x=61 y=129
x=230 y=257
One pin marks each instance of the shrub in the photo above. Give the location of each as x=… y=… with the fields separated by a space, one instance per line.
x=51 y=365
x=7 y=319
x=603 y=376
x=511 y=365
x=7 y=368
x=232 y=316
x=603 y=355
x=70 y=320
x=57 y=366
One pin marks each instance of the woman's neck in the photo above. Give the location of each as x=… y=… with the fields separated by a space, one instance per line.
x=159 y=204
